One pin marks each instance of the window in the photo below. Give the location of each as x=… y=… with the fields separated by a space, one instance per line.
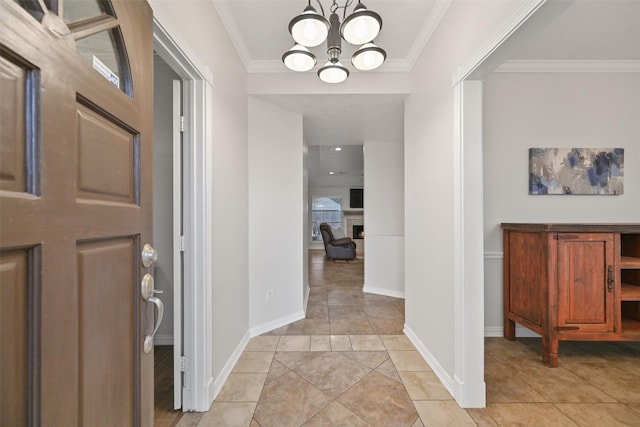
x=325 y=209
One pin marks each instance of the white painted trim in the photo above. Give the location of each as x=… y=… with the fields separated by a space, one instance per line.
x=198 y=323
x=440 y=372
x=431 y=24
x=229 y=22
x=498 y=331
x=167 y=40
x=307 y=291
x=569 y=66
x=382 y=291
x=268 y=66
x=275 y=324
x=489 y=45
x=215 y=386
x=470 y=390
x=468 y=248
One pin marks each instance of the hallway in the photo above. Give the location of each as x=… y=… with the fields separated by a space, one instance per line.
x=344 y=365
x=348 y=364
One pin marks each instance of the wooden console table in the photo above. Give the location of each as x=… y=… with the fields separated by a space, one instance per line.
x=572 y=282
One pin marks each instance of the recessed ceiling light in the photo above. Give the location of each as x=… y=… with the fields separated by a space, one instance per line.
x=338 y=149
x=331 y=173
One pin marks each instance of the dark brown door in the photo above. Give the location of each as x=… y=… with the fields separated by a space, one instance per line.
x=585 y=286
x=75 y=211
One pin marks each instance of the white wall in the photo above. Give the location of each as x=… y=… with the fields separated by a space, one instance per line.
x=276 y=198
x=163 y=77
x=522 y=111
x=429 y=189
x=200 y=33
x=384 y=218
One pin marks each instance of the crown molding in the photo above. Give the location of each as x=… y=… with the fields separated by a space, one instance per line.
x=525 y=9
x=229 y=23
x=431 y=24
x=569 y=66
x=276 y=66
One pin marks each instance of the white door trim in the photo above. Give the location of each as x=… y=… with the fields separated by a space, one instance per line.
x=198 y=188
x=178 y=241
x=469 y=386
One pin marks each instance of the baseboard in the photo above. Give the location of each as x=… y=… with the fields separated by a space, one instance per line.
x=307 y=291
x=437 y=369
x=382 y=291
x=498 y=331
x=275 y=324
x=214 y=387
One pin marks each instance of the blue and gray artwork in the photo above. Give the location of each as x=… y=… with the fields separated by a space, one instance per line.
x=576 y=170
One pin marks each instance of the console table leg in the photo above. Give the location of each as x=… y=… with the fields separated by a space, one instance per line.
x=550 y=352
x=510 y=329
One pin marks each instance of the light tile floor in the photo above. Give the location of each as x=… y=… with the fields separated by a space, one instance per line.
x=348 y=364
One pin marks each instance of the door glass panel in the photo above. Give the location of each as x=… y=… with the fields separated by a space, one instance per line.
x=33 y=7
x=78 y=10
x=105 y=52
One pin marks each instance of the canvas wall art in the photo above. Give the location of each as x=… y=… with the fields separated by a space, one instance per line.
x=576 y=171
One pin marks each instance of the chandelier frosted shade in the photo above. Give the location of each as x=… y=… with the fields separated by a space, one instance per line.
x=362 y=26
x=368 y=57
x=333 y=72
x=298 y=58
x=309 y=28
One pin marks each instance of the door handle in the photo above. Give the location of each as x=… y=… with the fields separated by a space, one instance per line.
x=147 y=290
x=610 y=279
x=148 y=340
x=149 y=255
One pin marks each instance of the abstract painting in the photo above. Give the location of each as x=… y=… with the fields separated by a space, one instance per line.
x=576 y=170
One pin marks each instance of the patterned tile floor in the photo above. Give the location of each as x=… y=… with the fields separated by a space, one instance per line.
x=348 y=364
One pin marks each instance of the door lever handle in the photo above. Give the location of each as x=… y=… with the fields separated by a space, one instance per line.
x=148 y=340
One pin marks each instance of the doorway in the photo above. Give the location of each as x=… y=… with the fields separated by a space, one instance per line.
x=168 y=232
x=193 y=328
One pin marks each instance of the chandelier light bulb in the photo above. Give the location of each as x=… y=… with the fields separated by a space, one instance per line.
x=362 y=26
x=368 y=57
x=298 y=58
x=333 y=72
x=309 y=28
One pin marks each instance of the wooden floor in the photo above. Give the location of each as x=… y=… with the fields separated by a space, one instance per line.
x=164 y=414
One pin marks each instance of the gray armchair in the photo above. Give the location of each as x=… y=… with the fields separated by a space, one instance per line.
x=344 y=248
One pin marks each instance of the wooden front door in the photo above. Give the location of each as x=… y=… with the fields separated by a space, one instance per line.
x=75 y=212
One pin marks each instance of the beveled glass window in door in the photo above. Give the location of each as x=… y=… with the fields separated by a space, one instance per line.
x=96 y=31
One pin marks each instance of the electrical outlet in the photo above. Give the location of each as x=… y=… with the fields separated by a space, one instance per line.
x=269 y=295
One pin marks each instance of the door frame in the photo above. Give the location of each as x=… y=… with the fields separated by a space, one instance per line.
x=197 y=213
x=469 y=386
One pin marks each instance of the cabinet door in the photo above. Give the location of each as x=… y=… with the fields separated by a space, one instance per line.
x=585 y=284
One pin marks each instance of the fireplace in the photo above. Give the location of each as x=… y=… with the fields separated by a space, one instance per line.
x=358 y=231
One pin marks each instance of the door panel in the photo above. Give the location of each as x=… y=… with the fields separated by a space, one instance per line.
x=106 y=158
x=77 y=193
x=107 y=340
x=14 y=326
x=584 y=300
x=12 y=158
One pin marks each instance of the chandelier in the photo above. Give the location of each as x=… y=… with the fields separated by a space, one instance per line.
x=310 y=29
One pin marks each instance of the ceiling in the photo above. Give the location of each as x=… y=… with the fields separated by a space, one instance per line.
x=560 y=30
